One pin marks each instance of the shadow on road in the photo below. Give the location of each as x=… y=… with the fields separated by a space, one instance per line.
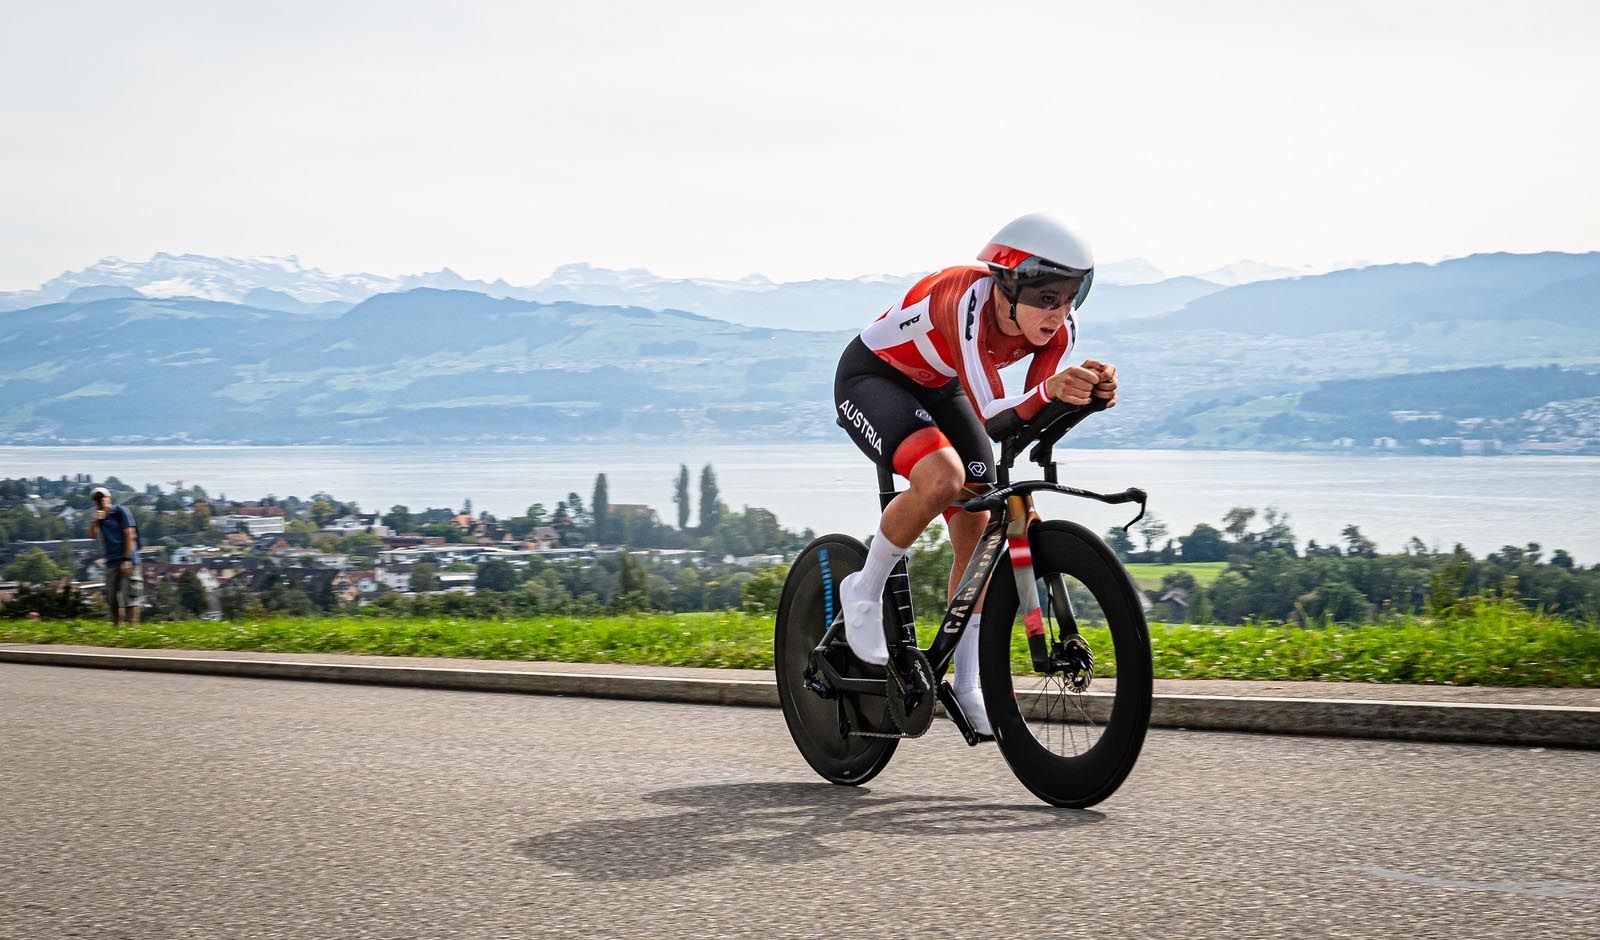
x=740 y=823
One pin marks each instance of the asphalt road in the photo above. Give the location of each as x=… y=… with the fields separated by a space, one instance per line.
x=146 y=805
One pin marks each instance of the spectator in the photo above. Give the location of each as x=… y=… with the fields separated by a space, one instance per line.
x=120 y=536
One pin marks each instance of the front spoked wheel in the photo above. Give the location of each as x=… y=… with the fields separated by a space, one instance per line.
x=844 y=737
x=1072 y=732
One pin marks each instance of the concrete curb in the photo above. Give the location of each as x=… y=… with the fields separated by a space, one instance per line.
x=1455 y=722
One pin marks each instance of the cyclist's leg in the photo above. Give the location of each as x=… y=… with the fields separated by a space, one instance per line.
x=935 y=479
x=889 y=418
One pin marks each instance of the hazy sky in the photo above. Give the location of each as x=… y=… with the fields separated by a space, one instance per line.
x=799 y=139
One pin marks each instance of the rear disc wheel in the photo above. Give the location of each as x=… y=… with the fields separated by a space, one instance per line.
x=809 y=605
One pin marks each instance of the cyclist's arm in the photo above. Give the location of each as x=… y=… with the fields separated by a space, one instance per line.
x=1045 y=382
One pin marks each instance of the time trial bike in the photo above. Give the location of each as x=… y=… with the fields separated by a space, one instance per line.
x=1070 y=724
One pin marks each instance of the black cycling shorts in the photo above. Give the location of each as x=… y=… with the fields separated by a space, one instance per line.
x=896 y=422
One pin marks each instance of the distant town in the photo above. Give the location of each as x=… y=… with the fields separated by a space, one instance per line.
x=212 y=557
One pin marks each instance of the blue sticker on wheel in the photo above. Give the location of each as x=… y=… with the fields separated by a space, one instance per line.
x=827 y=589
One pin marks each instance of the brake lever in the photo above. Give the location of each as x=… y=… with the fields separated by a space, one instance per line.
x=1134 y=493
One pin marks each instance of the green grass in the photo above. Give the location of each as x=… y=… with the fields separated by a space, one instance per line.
x=724 y=639
x=1148 y=577
x=1498 y=643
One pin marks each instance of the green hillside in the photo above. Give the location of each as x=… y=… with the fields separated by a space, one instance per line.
x=1424 y=412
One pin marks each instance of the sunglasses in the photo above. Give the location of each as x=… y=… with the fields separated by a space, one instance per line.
x=1053 y=294
x=1050 y=286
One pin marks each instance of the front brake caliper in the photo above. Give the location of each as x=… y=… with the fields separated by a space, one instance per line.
x=1075 y=661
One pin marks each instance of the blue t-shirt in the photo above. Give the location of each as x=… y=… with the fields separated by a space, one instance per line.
x=114 y=533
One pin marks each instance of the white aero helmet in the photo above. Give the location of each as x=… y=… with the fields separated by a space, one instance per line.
x=1040 y=262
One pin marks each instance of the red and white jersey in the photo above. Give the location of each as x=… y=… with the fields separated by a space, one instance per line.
x=945 y=329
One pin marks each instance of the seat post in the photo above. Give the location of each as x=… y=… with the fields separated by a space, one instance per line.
x=886 y=490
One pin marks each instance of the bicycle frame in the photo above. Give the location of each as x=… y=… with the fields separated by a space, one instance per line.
x=1012 y=513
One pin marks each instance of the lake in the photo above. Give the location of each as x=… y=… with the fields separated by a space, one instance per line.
x=1481 y=502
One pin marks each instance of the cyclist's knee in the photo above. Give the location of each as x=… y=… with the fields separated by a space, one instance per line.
x=939 y=476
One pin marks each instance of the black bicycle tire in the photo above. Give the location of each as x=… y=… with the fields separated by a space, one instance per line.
x=802 y=619
x=1084 y=779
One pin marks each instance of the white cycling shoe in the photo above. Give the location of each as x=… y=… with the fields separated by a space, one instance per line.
x=972 y=707
x=863 y=623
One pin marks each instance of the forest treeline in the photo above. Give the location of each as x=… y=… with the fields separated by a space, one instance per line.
x=1269 y=578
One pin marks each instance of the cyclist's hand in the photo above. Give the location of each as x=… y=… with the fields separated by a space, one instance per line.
x=1107 y=386
x=1073 y=385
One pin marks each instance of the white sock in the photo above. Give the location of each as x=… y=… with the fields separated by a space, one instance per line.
x=965 y=681
x=881 y=557
x=966 y=666
x=861 y=597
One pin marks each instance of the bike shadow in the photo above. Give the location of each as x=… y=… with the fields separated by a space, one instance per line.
x=739 y=823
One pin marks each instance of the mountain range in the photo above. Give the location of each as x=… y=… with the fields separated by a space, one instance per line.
x=1133 y=288
x=104 y=362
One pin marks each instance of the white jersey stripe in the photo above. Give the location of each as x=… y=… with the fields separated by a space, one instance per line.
x=972 y=357
x=931 y=354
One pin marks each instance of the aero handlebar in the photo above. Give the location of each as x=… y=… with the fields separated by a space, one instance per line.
x=1048 y=426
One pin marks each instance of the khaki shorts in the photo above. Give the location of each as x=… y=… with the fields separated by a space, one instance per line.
x=124 y=590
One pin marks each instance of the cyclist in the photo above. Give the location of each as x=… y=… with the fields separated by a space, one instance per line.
x=915 y=387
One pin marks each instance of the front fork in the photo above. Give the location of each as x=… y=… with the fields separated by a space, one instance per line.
x=1070 y=654
x=1027 y=593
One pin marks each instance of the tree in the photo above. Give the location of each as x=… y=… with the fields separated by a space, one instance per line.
x=399 y=519
x=761 y=593
x=424 y=577
x=1199 y=607
x=322 y=512
x=1446 y=582
x=600 y=509
x=1358 y=544
x=64 y=603
x=1118 y=541
x=1203 y=544
x=931 y=557
x=1151 y=530
x=688 y=590
x=630 y=575
x=680 y=495
x=710 y=501
x=32 y=567
x=448 y=531
x=1236 y=520
x=496 y=574
x=633 y=584
x=1277 y=536
x=65 y=558
x=192 y=594
x=561 y=521
x=1338 y=601
x=1230 y=600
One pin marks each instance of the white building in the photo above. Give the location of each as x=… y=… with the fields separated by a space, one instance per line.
x=253 y=525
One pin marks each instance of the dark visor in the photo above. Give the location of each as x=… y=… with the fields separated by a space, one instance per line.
x=1051 y=288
